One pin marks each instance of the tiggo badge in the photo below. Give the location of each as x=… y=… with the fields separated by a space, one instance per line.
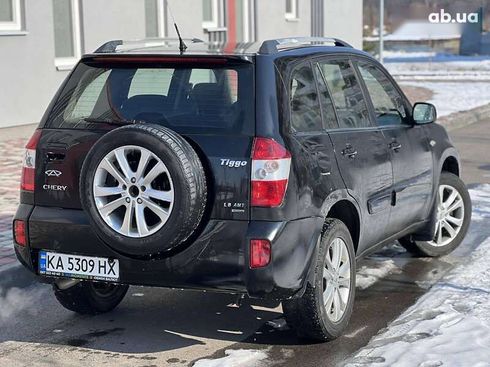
x=53 y=173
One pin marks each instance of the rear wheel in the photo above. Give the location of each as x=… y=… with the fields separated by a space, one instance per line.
x=89 y=298
x=324 y=310
x=453 y=216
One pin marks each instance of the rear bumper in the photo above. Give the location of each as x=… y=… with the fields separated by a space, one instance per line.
x=217 y=260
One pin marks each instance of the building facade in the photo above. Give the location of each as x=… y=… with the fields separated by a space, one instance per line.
x=41 y=40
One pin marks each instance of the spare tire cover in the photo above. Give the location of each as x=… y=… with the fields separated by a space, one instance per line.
x=144 y=189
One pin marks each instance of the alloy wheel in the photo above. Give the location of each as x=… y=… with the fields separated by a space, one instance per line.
x=449 y=215
x=133 y=191
x=336 y=279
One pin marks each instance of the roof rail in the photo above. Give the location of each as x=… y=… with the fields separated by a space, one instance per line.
x=274 y=46
x=111 y=46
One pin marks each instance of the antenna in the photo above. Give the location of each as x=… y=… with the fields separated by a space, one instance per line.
x=182 y=45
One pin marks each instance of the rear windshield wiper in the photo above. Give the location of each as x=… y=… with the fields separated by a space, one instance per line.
x=112 y=121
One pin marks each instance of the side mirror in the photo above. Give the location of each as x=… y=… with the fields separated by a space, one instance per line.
x=424 y=113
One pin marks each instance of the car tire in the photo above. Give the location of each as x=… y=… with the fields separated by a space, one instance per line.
x=308 y=315
x=183 y=174
x=458 y=211
x=88 y=298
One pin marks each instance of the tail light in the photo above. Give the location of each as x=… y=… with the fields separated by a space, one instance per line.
x=270 y=172
x=29 y=163
x=20 y=232
x=260 y=253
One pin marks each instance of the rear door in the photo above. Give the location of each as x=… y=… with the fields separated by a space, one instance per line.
x=362 y=155
x=408 y=145
x=210 y=102
x=311 y=145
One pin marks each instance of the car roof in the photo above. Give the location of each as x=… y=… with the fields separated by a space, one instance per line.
x=196 y=47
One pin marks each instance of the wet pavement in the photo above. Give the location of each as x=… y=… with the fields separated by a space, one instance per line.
x=473 y=143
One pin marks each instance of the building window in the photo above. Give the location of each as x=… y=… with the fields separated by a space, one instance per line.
x=210 y=13
x=292 y=9
x=155 y=18
x=10 y=16
x=67 y=39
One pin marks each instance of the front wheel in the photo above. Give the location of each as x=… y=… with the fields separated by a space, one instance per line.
x=91 y=298
x=453 y=216
x=324 y=310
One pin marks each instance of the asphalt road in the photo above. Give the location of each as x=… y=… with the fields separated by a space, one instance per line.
x=473 y=143
x=158 y=327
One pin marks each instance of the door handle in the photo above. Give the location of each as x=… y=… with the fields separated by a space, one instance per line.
x=395 y=146
x=349 y=151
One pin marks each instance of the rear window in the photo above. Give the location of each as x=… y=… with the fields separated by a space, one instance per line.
x=187 y=98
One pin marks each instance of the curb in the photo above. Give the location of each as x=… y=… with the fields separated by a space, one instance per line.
x=464 y=118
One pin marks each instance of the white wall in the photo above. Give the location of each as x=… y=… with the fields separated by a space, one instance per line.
x=272 y=22
x=188 y=15
x=28 y=76
x=110 y=20
x=343 y=19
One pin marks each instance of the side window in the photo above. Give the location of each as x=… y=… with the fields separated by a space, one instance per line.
x=326 y=102
x=304 y=104
x=346 y=92
x=85 y=103
x=387 y=102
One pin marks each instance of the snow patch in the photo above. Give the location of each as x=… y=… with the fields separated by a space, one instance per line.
x=449 y=325
x=407 y=55
x=235 y=358
x=440 y=67
x=367 y=276
x=440 y=64
x=480 y=198
x=15 y=301
x=448 y=98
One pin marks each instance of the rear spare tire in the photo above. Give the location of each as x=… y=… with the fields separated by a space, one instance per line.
x=144 y=189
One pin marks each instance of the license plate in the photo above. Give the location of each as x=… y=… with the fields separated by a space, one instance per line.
x=74 y=266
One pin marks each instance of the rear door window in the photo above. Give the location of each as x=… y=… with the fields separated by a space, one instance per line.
x=304 y=104
x=190 y=99
x=326 y=102
x=346 y=93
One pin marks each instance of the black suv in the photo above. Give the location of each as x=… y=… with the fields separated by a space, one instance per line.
x=265 y=171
